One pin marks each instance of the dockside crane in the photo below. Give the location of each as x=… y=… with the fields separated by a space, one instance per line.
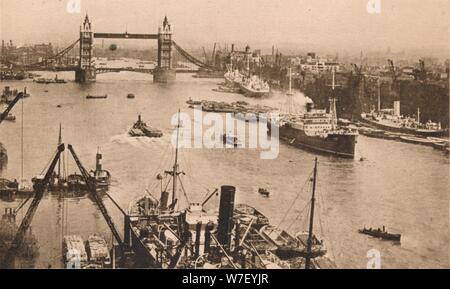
x=40 y=185
x=359 y=84
x=213 y=55
x=392 y=69
x=90 y=182
x=4 y=114
x=420 y=73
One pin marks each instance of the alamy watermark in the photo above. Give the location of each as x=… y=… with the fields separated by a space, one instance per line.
x=215 y=130
x=73 y=6
x=373 y=6
x=73 y=259
x=374 y=259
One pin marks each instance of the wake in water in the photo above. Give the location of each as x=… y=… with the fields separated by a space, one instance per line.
x=140 y=142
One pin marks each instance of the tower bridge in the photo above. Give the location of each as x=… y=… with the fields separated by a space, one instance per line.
x=85 y=69
x=164 y=72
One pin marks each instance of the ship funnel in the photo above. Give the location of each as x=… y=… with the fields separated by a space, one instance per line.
x=164 y=200
x=226 y=209
x=309 y=106
x=98 y=163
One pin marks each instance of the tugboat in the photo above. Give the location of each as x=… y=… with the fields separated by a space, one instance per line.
x=102 y=177
x=140 y=128
x=380 y=233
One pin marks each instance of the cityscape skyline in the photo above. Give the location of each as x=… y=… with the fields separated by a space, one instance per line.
x=311 y=25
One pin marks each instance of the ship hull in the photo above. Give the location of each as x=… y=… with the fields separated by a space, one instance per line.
x=412 y=131
x=342 y=145
x=253 y=93
x=232 y=83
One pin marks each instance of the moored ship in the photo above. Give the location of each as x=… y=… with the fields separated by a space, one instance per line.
x=391 y=120
x=254 y=86
x=233 y=78
x=50 y=80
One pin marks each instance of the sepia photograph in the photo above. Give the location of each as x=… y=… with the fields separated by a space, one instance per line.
x=224 y=134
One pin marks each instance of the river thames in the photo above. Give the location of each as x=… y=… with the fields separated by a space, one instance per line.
x=402 y=186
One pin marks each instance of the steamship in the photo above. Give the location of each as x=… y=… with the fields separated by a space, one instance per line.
x=391 y=120
x=317 y=130
x=164 y=235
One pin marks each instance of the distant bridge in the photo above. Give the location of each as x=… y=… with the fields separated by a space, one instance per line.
x=84 y=66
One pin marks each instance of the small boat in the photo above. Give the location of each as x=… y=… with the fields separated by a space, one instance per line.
x=380 y=233
x=98 y=252
x=416 y=140
x=10 y=117
x=440 y=146
x=76 y=182
x=318 y=248
x=439 y=143
x=231 y=140
x=96 y=96
x=130 y=95
x=140 y=128
x=194 y=102
x=8 y=187
x=263 y=192
x=50 y=80
x=72 y=244
x=287 y=246
x=247 y=214
x=439 y=140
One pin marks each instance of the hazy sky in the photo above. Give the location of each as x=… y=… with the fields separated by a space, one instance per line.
x=402 y=24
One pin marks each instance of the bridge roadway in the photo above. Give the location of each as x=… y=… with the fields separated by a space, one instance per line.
x=125 y=36
x=108 y=70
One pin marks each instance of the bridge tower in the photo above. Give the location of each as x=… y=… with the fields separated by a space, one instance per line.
x=164 y=72
x=85 y=72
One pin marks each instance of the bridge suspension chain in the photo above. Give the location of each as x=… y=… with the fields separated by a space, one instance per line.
x=191 y=58
x=54 y=57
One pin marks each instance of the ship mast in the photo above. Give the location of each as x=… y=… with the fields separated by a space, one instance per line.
x=311 y=219
x=175 y=168
x=333 y=102
x=379 y=94
x=290 y=91
x=59 y=161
